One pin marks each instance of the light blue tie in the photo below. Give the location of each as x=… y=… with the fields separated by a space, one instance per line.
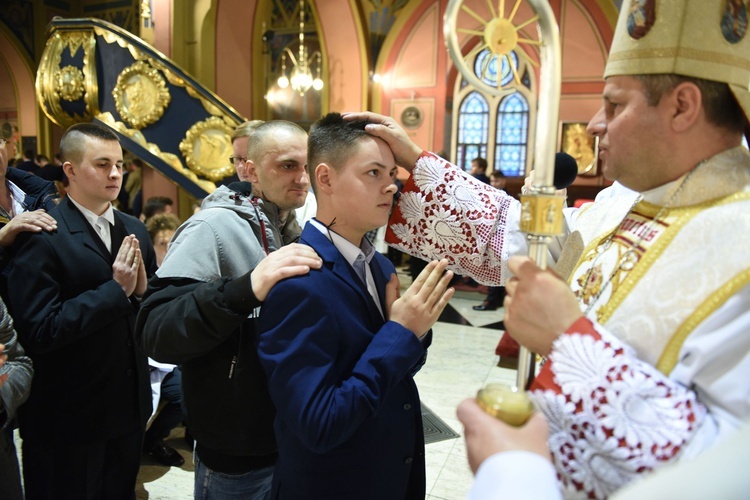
x=359 y=268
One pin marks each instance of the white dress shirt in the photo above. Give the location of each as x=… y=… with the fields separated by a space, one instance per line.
x=352 y=253
x=102 y=224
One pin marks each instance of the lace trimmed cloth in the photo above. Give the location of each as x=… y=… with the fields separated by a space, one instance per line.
x=612 y=417
x=443 y=212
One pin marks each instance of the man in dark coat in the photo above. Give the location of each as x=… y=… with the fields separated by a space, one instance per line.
x=74 y=296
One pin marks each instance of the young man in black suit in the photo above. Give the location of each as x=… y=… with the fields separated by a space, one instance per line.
x=74 y=295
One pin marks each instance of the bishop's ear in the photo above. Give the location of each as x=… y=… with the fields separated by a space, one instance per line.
x=686 y=100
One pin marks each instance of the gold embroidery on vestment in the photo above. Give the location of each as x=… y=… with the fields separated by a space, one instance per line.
x=670 y=355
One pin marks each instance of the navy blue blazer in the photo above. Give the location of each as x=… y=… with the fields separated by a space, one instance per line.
x=348 y=420
x=74 y=321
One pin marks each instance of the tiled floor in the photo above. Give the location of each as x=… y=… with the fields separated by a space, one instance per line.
x=461 y=360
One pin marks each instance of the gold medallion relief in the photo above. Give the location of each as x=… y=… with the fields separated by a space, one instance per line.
x=207 y=147
x=141 y=95
x=69 y=83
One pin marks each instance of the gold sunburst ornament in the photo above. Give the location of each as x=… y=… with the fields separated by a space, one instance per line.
x=498 y=33
x=141 y=95
x=207 y=147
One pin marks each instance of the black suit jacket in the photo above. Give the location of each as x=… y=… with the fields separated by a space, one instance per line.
x=91 y=381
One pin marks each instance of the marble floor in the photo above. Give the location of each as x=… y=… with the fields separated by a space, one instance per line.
x=460 y=361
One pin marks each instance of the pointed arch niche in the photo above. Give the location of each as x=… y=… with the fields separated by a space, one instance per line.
x=494 y=127
x=586 y=28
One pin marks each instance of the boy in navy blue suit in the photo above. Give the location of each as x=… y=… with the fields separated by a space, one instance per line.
x=338 y=344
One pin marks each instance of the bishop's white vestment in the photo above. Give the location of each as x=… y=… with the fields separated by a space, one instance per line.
x=658 y=369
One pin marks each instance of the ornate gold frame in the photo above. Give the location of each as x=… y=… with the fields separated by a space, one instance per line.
x=207 y=147
x=53 y=82
x=172 y=159
x=141 y=95
x=575 y=141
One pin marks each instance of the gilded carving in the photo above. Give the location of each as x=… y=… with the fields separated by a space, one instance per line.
x=210 y=147
x=141 y=95
x=207 y=148
x=112 y=35
x=74 y=40
x=69 y=83
x=171 y=159
x=174 y=162
x=55 y=84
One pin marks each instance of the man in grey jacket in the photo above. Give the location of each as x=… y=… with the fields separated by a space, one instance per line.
x=200 y=309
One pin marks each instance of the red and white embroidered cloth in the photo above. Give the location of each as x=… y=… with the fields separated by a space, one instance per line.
x=613 y=416
x=443 y=212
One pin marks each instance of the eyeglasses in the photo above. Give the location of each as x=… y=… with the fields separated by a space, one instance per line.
x=235 y=160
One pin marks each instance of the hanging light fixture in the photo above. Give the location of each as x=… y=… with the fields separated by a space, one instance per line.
x=301 y=77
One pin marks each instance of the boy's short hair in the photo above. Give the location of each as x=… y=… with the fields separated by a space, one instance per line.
x=481 y=163
x=497 y=174
x=72 y=143
x=156 y=204
x=332 y=140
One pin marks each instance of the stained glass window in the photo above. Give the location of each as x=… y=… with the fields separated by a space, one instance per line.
x=485 y=68
x=495 y=126
x=512 y=135
x=473 y=129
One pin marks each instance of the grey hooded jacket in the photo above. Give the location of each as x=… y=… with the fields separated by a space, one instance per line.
x=199 y=312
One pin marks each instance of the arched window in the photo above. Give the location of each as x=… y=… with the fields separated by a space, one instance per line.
x=512 y=135
x=473 y=127
x=495 y=127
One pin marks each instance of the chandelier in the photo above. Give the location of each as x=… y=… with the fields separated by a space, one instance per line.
x=301 y=77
